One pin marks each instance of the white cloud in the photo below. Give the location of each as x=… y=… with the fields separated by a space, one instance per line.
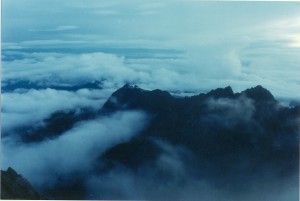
x=70 y=69
x=200 y=68
x=233 y=43
x=179 y=74
x=234 y=111
x=31 y=107
x=74 y=151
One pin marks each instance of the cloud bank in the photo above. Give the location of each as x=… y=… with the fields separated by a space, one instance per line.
x=45 y=163
x=23 y=108
x=196 y=72
x=248 y=48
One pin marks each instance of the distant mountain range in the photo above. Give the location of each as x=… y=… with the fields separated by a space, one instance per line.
x=11 y=85
x=227 y=139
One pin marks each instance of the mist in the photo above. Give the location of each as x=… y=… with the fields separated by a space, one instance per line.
x=74 y=151
x=23 y=108
x=172 y=176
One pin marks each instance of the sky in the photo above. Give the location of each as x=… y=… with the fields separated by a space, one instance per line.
x=180 y=45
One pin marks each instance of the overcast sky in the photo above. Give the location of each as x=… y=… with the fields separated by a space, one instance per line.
x=173 y=45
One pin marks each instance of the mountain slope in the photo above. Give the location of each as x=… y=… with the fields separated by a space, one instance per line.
x=234 y=143
x=14 y=186
x=231 y=136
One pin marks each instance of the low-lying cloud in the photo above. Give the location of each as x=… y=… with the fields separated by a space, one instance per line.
x=231 y=111
x=172 y=177
x=21 y=108
x=67 y=69
x=74 y=152
x=198 y=69
x=114 y=71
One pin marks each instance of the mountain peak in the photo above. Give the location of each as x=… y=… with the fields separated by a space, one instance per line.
x=133 y=97
x=129 y=86
x=226 y=92
x=259 y=93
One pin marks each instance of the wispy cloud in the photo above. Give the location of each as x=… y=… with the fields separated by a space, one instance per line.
x=23 y=108
x=75 y=151
x=56 y=29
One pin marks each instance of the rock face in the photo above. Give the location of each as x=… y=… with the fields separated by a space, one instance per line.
x=14 y=186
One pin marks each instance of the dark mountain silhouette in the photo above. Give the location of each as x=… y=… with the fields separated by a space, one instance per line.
x=232 y=136
x=233 y=141
x=26 y=84
x=14 y=186
x=221 y=93
x=259 y=93
x=132 y=97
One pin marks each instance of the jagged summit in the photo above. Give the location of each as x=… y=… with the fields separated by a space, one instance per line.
x=133 y=97
x=259 y=93
x=226 y=92
x=214 y=126
x=130 y=86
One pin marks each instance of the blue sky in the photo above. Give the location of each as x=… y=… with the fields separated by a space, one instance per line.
x=172 y=45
